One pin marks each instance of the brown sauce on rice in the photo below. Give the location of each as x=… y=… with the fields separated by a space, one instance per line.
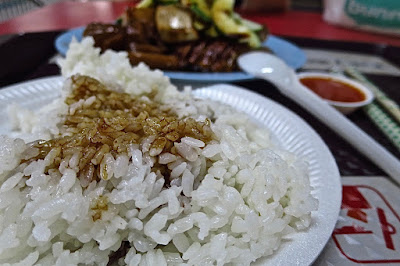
x=108 y=123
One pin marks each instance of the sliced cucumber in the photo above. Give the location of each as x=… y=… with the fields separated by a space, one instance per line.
x=226 y=5
x=145 y=3
x=229 y=27
x=201 y=9
x=252 y=40
x=251 y=25
x=221 y=12
x=200 y=14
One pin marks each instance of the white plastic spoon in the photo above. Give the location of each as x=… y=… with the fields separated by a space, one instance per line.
x=274 y=70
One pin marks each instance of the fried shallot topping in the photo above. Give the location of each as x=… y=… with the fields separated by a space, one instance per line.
x=101 y=121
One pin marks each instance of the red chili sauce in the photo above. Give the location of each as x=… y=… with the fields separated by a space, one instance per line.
x=333 y=90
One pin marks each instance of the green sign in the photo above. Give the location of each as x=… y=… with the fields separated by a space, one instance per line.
x=378 y=13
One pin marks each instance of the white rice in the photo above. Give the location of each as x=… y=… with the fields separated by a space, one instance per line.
x=231 y=201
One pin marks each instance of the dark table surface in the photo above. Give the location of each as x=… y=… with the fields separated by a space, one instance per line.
x=25 y=57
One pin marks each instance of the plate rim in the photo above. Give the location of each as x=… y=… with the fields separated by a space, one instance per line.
x=207 y=77
x=223 y=90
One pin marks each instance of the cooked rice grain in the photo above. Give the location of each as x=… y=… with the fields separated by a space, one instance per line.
x=226 y=196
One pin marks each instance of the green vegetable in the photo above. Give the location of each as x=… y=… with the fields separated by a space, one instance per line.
x=251 y=25
x=231 y=24
x=221 y=13
x=253 y=40
x=201 y=9
x=220 y=19
x=145 y=3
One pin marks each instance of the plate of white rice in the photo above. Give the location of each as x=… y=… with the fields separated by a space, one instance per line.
x=112 y=165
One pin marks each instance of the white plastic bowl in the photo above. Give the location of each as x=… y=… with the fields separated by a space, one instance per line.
x=344 y=107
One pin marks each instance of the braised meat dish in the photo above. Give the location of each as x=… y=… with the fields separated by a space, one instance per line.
x=173 y=37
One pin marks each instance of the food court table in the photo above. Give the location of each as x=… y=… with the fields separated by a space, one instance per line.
x=368 y=229
x=69 y=14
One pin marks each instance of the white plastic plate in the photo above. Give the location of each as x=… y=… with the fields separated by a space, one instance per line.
x=287 y=128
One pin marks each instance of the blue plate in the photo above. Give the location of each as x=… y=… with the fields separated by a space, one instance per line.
x=288 y=52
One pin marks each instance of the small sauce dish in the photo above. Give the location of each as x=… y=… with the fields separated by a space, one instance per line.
x=345 y=94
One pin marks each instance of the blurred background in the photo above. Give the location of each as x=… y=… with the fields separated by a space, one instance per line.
x=14 y=8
